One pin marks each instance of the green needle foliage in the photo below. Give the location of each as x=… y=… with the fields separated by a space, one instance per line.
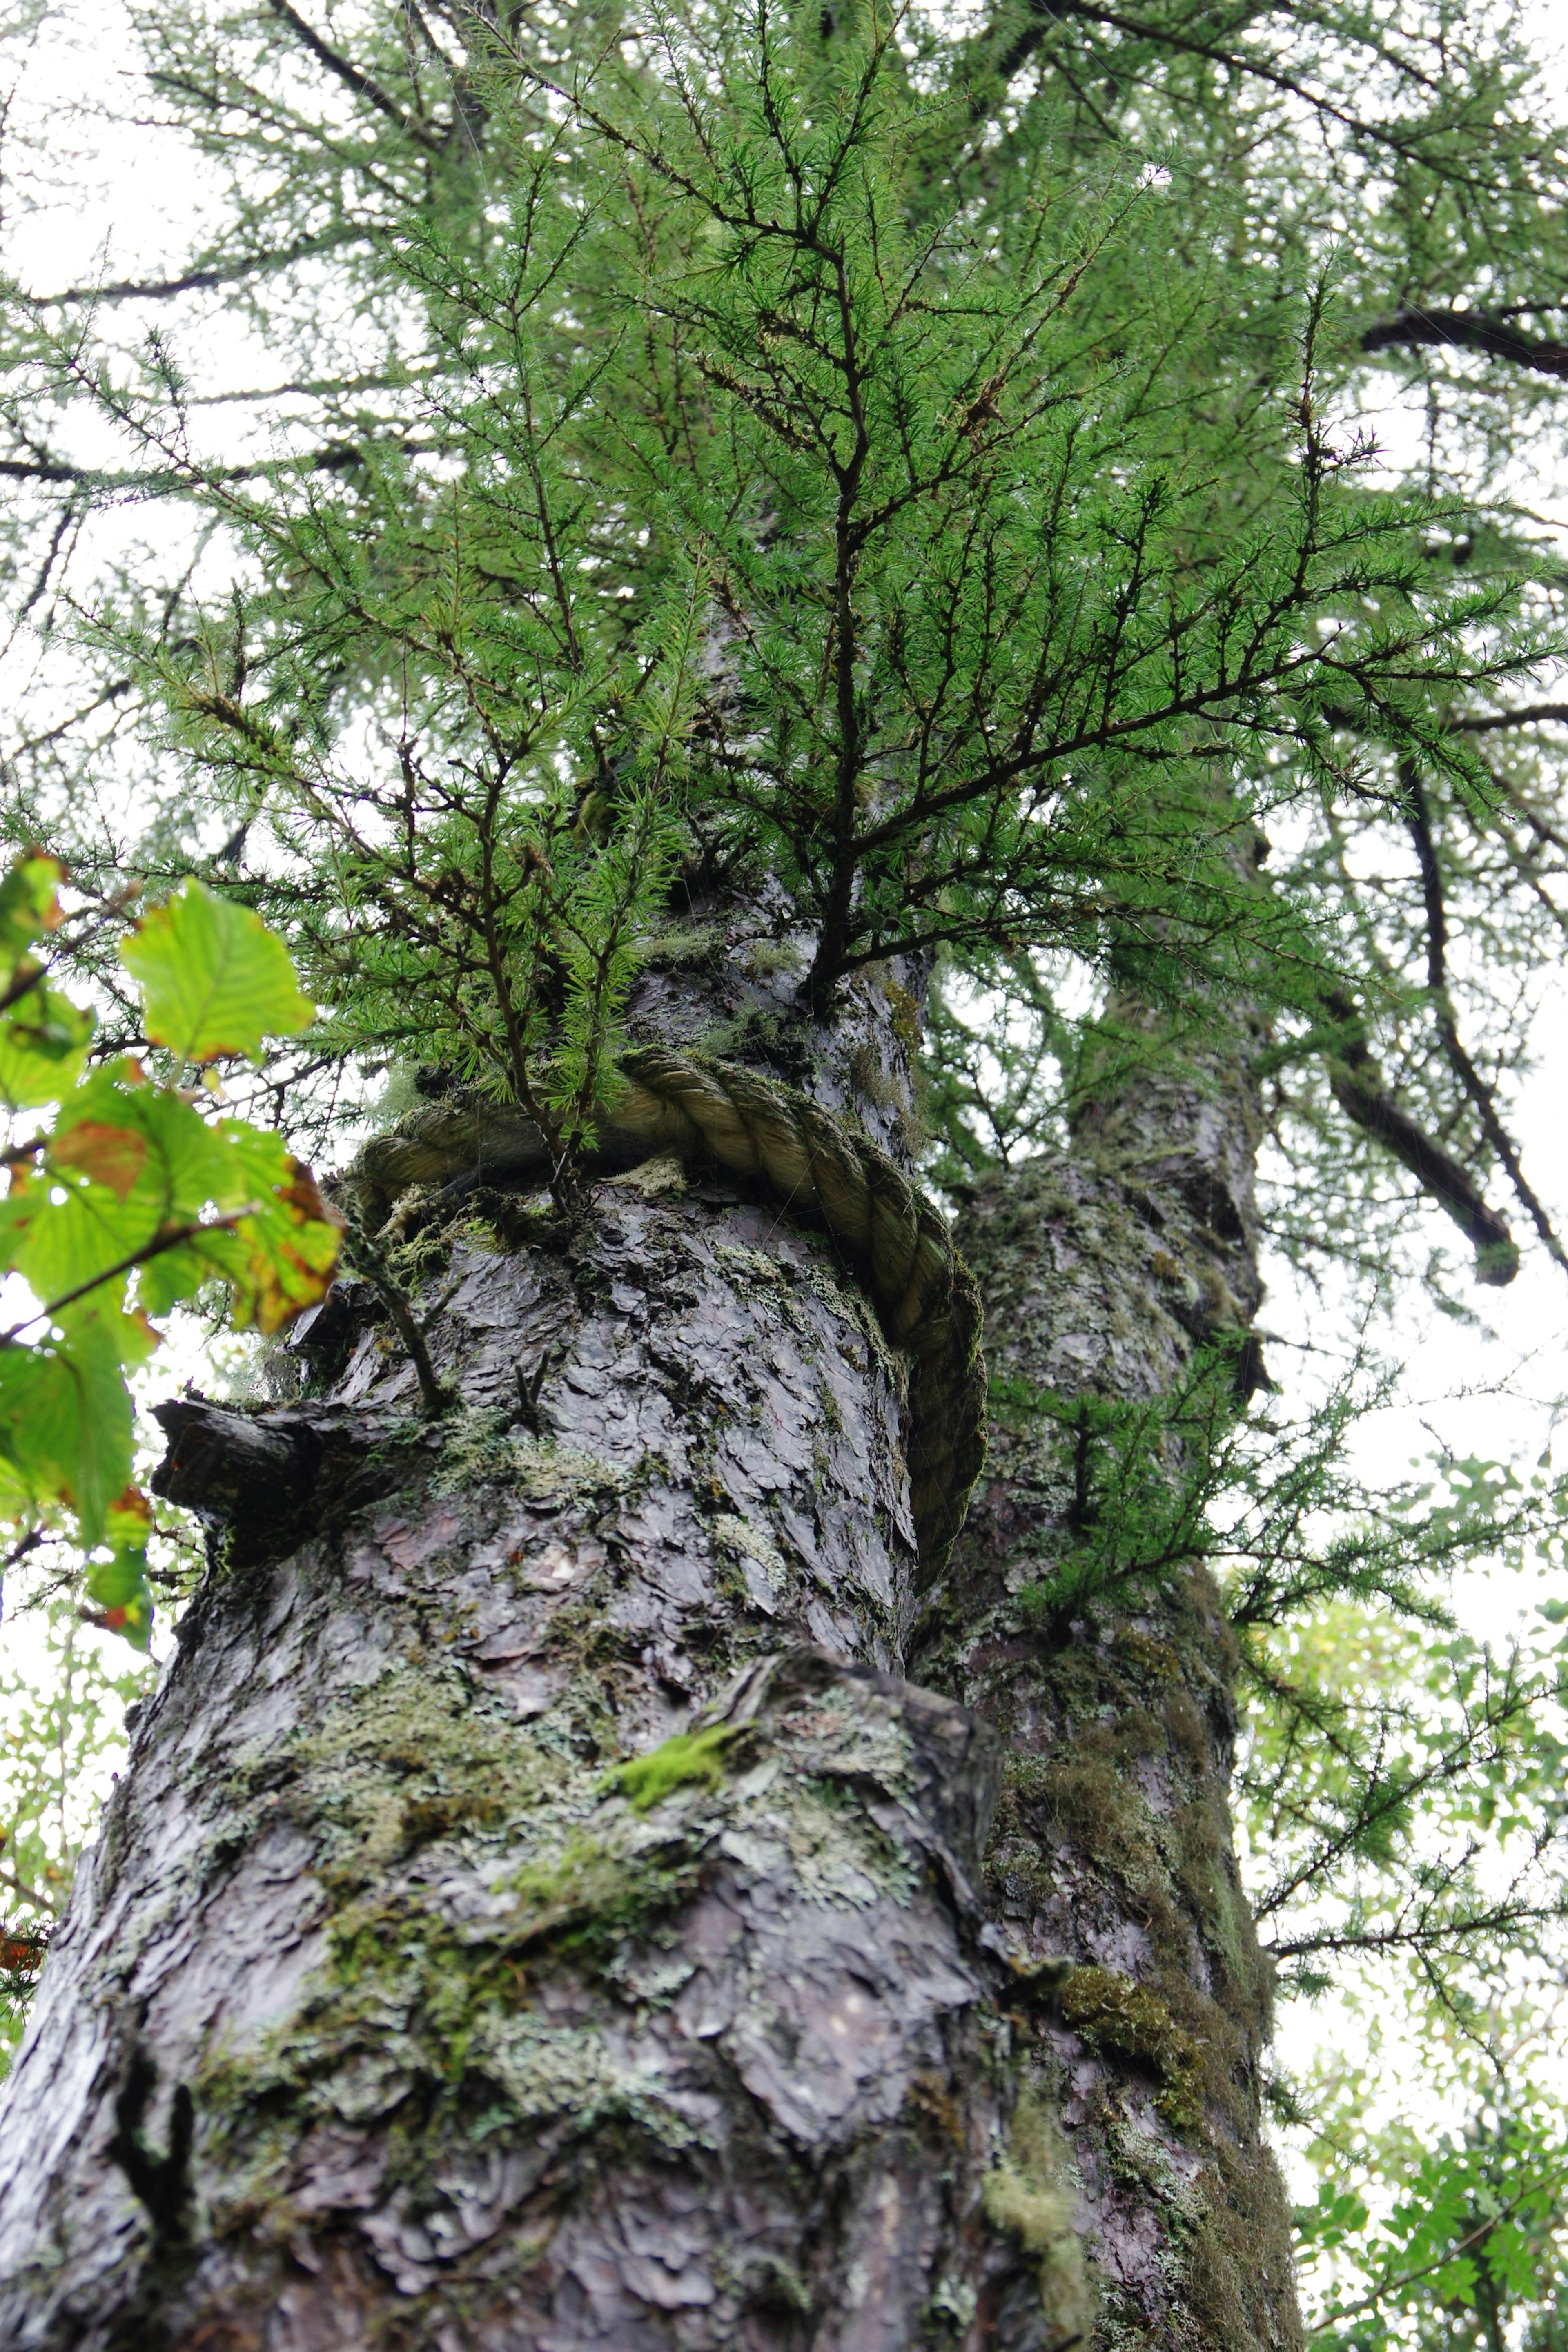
x=779 y=506
x=1401 y=1789
x=1402 y=1780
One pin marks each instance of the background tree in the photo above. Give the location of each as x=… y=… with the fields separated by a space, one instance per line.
x=55 y=1737
x=820 y=498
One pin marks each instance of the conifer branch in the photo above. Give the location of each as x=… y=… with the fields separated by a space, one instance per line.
x=1468 y=330
x=203 y=280
x=337 y=457
x=1237 y=59
x=1529 y=714
x=34 y=1895
x=354 y=78
x=364 y=1255
x=1358 y=1090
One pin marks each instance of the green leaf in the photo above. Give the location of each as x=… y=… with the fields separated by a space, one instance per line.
x=68 y=1226
x=129 y=1169
x=29 y=905
x=289 y=1249
x=130 y=1521
x=118 y=1580
x=216 y=979
x=66 y=1422
x=133 y=1169
x=123 y=1595
x=278 y=1258
x=43 y=1039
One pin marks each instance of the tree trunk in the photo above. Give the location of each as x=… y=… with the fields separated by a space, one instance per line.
x=1120 y=1274
x=536 y=1915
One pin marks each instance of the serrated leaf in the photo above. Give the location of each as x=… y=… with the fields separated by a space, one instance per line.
x=134 y=1193
x=112 y=1582
x=119 y=1585
x=66 y=1423
x=97 y=1204
x=129 y=1519
x=58 y=1243
x=216 y=979
x=123 y=1595
x=281 y=1257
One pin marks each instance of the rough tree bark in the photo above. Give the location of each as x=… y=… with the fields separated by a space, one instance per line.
x=536 y=1913
x=1112 y=1875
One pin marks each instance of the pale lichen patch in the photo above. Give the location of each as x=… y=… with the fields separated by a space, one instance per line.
x=755 y=1543
x=1029 y=2192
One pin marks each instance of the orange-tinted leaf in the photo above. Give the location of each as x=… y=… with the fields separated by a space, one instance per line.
x=114 y=1155
x=149 y=1335
x=282 y=1278
x=285 y=1253
x=304 y=1195
x=130 y=1518
x=119 y=1585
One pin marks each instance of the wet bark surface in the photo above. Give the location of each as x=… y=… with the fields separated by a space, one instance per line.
x=1144 y=2001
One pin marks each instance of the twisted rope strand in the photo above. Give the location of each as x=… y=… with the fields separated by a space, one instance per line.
x=927 y=1300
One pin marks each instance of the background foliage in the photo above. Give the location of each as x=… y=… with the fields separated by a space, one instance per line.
x=63 y=1715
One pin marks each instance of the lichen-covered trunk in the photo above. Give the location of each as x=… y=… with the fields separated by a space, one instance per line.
x=1124 y=1277
x=537 y=1913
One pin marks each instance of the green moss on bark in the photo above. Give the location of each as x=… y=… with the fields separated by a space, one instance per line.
x=1113 y=2012
x=500 y=1911
x=646 y=1780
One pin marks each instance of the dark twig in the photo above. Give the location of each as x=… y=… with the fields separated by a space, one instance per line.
x=193 y=281
x=1418 y=822
x=34 y=1895
x=1440 y=2262
x=167 y=1237
x=365 y=1256
x=1468 y=330
x=354 y=78
x=1529 y=714
x=529 y=1390
x=338 y=457
x=162 y=2182
x=1358 y=1089
x=23 y=981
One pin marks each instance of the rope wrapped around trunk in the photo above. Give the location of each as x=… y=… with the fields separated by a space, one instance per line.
x=927 y=1300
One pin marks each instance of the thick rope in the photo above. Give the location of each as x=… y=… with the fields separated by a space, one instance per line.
x=927 y=1300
